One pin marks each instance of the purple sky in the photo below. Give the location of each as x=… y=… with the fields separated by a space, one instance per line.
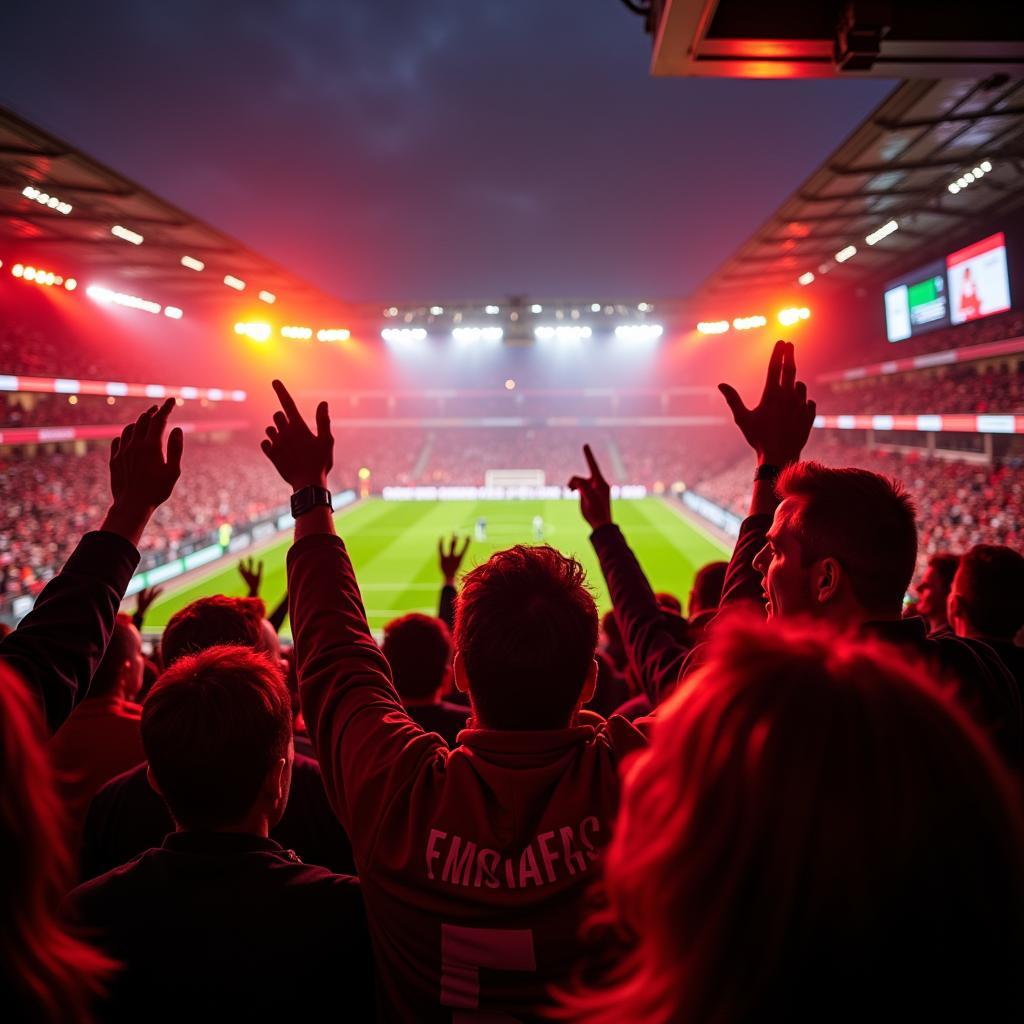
x=432 y=150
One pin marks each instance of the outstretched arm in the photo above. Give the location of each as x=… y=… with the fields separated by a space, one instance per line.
x=366 y=744
x=59 y=644
x=776 y=429
x=449 y=560
x=655 y=654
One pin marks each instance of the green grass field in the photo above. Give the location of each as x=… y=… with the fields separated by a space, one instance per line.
x=394 y=549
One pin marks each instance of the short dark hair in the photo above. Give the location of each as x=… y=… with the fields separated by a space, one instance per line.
x=212 y=727
x=945 y=563
x=990 y=583
x=213 y=622
x=864 y=520
x=526 y=630
x=669 y=602
x=707 y=587
x=120 y=649
x=419 y=649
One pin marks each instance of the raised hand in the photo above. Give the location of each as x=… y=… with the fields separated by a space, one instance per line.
x=144 y=599
x=251 y=572
x=451 y=559
x=300 y=456
x=595 y=494
x=141 y=477
x=777 y=428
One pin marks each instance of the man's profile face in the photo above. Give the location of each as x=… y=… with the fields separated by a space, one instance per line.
x=787 y=582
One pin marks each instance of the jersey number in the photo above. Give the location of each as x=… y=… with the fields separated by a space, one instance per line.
x=464 y=951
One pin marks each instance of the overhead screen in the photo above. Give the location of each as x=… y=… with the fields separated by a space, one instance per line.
x=970 y=283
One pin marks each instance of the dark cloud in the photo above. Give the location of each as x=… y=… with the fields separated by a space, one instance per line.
x=427 y=149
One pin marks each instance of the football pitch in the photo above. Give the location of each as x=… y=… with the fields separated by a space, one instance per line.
x=393 y=546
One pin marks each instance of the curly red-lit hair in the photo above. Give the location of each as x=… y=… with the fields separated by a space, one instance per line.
x=46 y=972
x=816 y=832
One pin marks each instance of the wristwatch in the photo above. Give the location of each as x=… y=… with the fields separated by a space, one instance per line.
x=305 y=499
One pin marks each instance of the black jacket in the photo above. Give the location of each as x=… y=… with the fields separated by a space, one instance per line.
x=58 y=646
x=228 y=926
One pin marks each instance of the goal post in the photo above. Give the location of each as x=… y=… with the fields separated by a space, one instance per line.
x=511 y=478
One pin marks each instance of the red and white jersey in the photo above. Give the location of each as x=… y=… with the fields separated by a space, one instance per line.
x=474 y=861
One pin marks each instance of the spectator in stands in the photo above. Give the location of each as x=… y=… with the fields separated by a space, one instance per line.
x=101 y=737
x=450 y=561
x=817 y=831
x=840 y=545
x=705 y=596
x=933 y=591
x=47 y=974
x=496 y=838
x=126 y=817
x=419 y=651
x=986 y=602
x=217 y=732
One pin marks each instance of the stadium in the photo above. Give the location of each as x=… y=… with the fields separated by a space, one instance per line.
x=893 y=263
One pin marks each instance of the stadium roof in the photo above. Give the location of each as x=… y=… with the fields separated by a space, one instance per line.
x=101 y=199
x=905 y=164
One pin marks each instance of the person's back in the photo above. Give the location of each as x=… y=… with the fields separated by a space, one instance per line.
x=101 y=737
x=474 y=861
x=220 y=918
x=228 y=924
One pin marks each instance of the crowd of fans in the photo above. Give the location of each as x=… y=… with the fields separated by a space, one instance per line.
x=790 y=801
x=966 y=388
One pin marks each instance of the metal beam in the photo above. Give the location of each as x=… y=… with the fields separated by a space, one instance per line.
x=934 y=122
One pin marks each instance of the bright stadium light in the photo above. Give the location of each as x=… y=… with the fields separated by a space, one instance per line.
x=101 y=294
x=749 y=323
x=333 y=334
x=436 y=310
x=478 y=334
x=403 y=334
x=192 y=263
x=639 y=332
x=563 y=332
x=712 y=326
x=46 y=278
x=234 y=282
x=969 y=177
x=793 y=315
x=844 y=254
x=644 y=307
x=127 y=234
x=805 y=279
x=255 y=331
x=492 y=310
x=536 y=308
x=297 y=333
x=883 y=232
x=173 y=312
x=268 y=297
x=70 y=284
x=595 y=307
x=46 y=199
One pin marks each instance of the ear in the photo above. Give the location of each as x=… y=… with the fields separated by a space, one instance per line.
x=828 y=578
x=275 y=782
x=461 y=679
x=152 y=781
x=589 y=684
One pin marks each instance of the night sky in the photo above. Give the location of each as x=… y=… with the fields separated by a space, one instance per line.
x=431 y=150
